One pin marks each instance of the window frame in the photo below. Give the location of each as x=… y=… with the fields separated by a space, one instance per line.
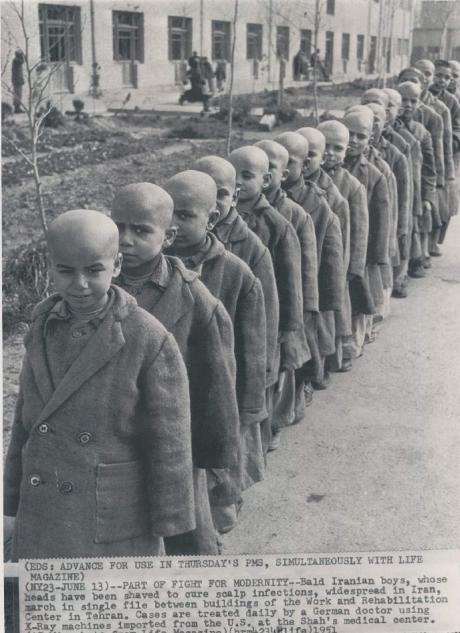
x=186 y=37
x=283 y=34
x=72 y=45
x=306 y=35
x=346 y=41
x=330 y=7
x=360 y=46
x=227 y=35
x=255 y=36
x=135 y=35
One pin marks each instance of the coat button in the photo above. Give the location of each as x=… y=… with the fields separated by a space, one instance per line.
x=66 y=487
x=84 y=437
x=43 y=428
x=35 y=480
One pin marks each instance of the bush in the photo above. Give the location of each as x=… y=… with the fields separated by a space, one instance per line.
x=25 y=282
x=54 y=118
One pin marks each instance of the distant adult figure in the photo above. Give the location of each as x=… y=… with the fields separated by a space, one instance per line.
x=17 y=79
x=194 y=60
x=300 y=66
x=315 y=61
x=208 y=73
x=198 y=90
x=221 y=75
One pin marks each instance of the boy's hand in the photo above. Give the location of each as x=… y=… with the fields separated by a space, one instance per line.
x=8 y=531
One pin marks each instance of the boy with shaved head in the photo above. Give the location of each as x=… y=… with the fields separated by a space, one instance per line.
x=278 y=158
x=422 y=213
x=337 y=136
x=253 y=178
x=454 y=84
x=203 y=330
x=237 y=238
x=329 y=252
x=360 y=126
x=447 y=193
x=100 y=461
x=229 y=279
x=313 y=172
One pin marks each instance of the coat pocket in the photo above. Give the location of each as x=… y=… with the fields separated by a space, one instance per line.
x=121 y=503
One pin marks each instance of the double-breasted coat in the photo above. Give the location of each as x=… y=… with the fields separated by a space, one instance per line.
x=378 y=204
x=330 y=258
x=279 y=236
x=204 y=332
x=237 y=238
x=230 y=280
x=101 y=464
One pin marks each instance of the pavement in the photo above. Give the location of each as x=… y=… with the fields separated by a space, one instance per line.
x=375 y=465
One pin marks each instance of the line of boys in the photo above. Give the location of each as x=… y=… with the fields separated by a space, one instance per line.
x=140 y=422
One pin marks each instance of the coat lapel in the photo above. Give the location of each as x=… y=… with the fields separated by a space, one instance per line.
x=104 y=344
x=35 y=345
x=176 y=301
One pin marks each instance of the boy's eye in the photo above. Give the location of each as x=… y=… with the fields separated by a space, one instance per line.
x=140 y=230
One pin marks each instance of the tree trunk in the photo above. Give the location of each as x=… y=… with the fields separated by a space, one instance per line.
x=230 y=88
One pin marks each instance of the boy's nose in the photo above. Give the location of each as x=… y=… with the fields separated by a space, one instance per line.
x=81 y=282
x=126 y=239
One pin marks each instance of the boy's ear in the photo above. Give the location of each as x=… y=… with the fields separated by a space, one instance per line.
x=117 y=265
x=267 y=180
x=212 y=219
x=170 y=236
x=285 y=175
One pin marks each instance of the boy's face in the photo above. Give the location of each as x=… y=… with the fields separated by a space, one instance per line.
x=315 y=158
x=251 y=178
x=392 y=111
x=82 y=273
x=278 y=171
x=191 y=219
x=442 y=77
x=336 y=148
x=295 y=166
x=142 y=236
x=359 y=136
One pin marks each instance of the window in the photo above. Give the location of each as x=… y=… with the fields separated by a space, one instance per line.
x=221 y=40
x=399 y=47
x=254 y=41
x=405 y=47
x=387 y=53
x=433 y=52
x=372 y=53
x=179 y=38
x=306 y=41
x=345 y=45
x=330 y=7
x=60 y=33
x=360 y=47
x=282 y=42
x=128 y=36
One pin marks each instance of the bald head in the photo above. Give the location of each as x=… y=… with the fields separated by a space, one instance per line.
x=360 y=125
x=361 y=115
x=393 y=96
x=424 y=64
x=274 y=151
x=374 y=95
x=411 y=74
x=224 y=175
x=251 y=156
x=294 y=143
x=192 y=187
x=455 y=67
x=84 y=232
x=378 y=110
x=315 y=138
x=408 y=89
x=334 y=130
x=143 y=202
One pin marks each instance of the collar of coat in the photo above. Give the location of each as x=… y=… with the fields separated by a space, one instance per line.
x=232 y=229
x=105 y=343
x=211 y=249
x=250 y=217
x=300 y=188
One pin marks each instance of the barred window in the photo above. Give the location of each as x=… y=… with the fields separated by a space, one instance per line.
x=179 y=38
x=60 y=33
x=128 y=36
x=254 y=34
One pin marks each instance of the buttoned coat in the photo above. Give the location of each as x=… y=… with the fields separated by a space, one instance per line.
x=279 y=236
x=453 y=104
x=330 y=258
x=204 y=332
x=230 y=280
x=237 y=238
x=433 y=123
x=378 y=204
x=101 y=465
x=407 y=145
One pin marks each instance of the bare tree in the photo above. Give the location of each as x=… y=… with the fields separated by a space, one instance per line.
x=35 y=103
x=232 y=75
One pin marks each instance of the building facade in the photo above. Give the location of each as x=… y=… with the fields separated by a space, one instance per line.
x=111 y=46
x=437 y=30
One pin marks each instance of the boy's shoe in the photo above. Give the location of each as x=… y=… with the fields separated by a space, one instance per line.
x=435 y=251
x=417 y=272
x=427 y=262
x=370 y=338
x=347 y=365
x=324 y=383
x=308 y=392
x=225 y=518
x=275 y=441
x=399 y=293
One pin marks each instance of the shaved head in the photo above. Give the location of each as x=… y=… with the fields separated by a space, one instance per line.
x=409 y=89
x=393 y=96
x=220 y=170
x=374 y=95
x=274 y=151
x=411 y=74
x=363 y=118
x=82 y=231
x=143 y=201
x=192 y=185
x=315 y=138
x=296 y=144
x=333 y=130
x=455 y=65
x=357 y=107
x=378 y=110
x=424 y=64
x=252 y=156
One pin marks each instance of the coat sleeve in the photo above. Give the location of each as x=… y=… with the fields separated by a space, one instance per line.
x=435 y=127
x=359 y=230
x=212 y=375
x=403 y=178
x=309 y=264
x=448 y=145
x=250 y=352
x=166 y=435
x=455 y=119
x=264 y=272
x=13 y=465
x=379 y=223
x=428 y=169
x=331 y=273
